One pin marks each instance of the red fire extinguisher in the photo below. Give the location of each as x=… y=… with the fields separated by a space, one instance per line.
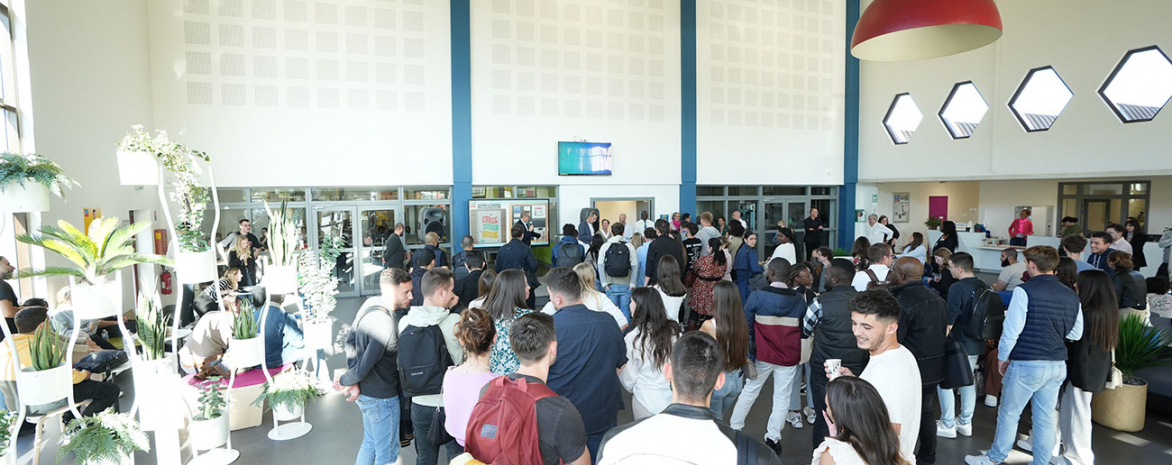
x=165 y=279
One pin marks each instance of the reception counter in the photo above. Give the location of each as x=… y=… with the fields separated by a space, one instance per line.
x=987 y=258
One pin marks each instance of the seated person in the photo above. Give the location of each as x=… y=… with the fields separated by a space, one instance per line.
x=97 y=331
x=1159 y=301
x=228 y=284
x=101 y=395
x=284 y=341
x=203 y=351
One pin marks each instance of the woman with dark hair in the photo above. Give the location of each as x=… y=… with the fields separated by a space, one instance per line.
x=940 y=265
x=648 y=349
x=1088 y=364
x=745 y=264
x=1021 y=228
x=801 y=280
x=505 y=303
x=721 y=225
x=670 y=285
x=736 y=236
x=1137 y=238
x=883 y=220
x=596 y=242
x=860 y=429
x=709 y=271
x=948 y=238
x=731 y=331
x=859 y=253
x=916 y=249
x=462 y=383
x=483 y=288
x=1129 y=285
x=1067 y=272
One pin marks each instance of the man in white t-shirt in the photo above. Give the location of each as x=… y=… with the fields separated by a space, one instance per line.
x=880 y=255
x=877 y=233
x=892 y=368
x=1012 y=271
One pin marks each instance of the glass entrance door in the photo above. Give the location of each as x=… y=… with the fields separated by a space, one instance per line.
x=338 y=223
x=375 y=224
x=790 y=212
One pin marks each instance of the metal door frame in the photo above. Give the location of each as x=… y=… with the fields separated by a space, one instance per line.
x=360 y=252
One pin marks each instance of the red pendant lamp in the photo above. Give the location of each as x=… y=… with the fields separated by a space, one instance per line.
x=906 y=30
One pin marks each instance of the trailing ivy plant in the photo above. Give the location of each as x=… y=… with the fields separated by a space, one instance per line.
x=152 y=328
x=105 y=437
x=183 y=163
x=244 y=322
x=290 y=389
x=211 y=399
x=19 y=169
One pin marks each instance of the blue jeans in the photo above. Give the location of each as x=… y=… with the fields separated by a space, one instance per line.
x=620 y=296
x=380 y=425
x=795 y=398
x=1029 y=381
x=428 y=454
x=968 y=402
x=723 y=398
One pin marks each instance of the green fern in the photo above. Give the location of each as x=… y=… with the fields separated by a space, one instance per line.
x=7 y=417
x=106 y=249
x=152 y=328
x=1140 y=346
x=245 y=325
x=107 y=436
x=16 y=168
x=48 y=349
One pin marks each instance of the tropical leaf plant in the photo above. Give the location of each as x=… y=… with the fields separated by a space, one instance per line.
x=291 y=389
x=106 y=249
x=1140 y=346
x=107 y=437
x=48 y=349
x=18 y=169
x=152 y=328
x=244 y=322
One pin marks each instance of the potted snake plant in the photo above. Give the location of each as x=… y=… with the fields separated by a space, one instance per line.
x=287 y=394
x=107 y=438
x=281 y=273
x=48 y=379
x=245 y=349
x=155 y=370
x=97 y=259
x=27 y=180
x=209 y=426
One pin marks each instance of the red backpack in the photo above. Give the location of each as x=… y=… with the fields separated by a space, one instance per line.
x=503 y=427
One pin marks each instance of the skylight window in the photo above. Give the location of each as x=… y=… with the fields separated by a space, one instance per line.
x=963 y=110
x=1040 y=99
x=903 y=117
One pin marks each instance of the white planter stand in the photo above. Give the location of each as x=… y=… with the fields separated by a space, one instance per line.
x=92 y=302
x=32 y=197
x=280 y=279
x=319 y=334
x=45 y=386
x=289 y=431
x=138 y=169
x=285 y=413
x=156 y=383
x=246 y=353
x=210 y=434
x=195 y=267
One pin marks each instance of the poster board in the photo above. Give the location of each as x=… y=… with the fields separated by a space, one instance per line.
x=490 y=221
x=902 y=207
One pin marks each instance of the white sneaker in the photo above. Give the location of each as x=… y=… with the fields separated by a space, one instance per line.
x=944 y=431
x=794 y=419
x=982 y=459
x=990 y=401
x=963 y=429
x=810 y=414
x=1025 y=444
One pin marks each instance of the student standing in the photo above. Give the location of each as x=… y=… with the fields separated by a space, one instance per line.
x=732 y=335
x=961 y=302
x=395 y=253
x=648 y=349
x=1100 y=251
x=1136 y=237
x=880 y=257
x=662 y=245
x=618 y=263
x=1088 y=365
x=517 y=256
x=745 y=265
x=671 y=287
x=813 y=226
x=506 y=303
x=706 y=233
x=861 y=432
x=923 y=321
x=463 y=383
x=458 y=268
x=240 y=256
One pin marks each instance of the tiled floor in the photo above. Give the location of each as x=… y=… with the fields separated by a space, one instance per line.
x=337 y=432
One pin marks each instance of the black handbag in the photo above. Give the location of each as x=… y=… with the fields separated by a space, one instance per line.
x=438 y=434
x=102 y=361
x=957 y=371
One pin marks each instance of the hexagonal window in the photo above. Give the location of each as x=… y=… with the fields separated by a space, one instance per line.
x=1040 y=99
x=1140 y=85
x=963 y=110
x=903 y=117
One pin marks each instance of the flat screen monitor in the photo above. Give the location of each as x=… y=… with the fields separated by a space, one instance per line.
x=584 y=159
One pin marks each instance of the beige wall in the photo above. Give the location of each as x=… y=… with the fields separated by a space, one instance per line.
x=963 y=200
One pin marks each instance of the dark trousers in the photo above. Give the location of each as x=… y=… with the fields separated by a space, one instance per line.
x=926 y=454
x=428 y=454
x=101 y=395
x=1162 y=270
x=817 y=387
x=593 y=441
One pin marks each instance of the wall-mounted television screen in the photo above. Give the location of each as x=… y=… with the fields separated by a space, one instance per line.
x=584 y=159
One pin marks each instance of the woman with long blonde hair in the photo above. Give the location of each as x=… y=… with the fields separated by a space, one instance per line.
x=240 y=256
x=591 y=298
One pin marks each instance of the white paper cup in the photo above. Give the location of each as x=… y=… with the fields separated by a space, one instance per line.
x=832 y=366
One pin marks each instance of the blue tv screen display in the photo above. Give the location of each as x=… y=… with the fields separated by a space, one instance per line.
x=584 y=159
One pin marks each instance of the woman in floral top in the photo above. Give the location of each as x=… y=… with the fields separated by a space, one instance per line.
x=505 y=303
x=709 y=270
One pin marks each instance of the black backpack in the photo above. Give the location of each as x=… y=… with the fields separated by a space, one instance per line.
x=423 y=360
x=618 y=260
x=569 y=254
x=987 y=318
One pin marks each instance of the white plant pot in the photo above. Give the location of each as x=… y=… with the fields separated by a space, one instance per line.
x=319 y=334
x=195 y=267
x=45 y=386
x=31 y=198
x=138 y=169
x=285 y=413
x=246 y=353
x=124 y=460
x=280 y=279
x=209 y=434
x=155 y=381
x=92 y=302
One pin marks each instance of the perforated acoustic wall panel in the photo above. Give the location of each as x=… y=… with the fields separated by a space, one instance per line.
x=363 y=79
x=770 y=90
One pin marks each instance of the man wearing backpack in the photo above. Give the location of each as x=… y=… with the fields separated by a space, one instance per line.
x=881 y=257
x=923 y=321
x=591 y=351
x=686 y=431
x=427 y=347
x=517 y=256
x=1041 y=317
x=962 y=299
x=568 y=252
x=617 y=262
x=519 y=419
x=372 y=377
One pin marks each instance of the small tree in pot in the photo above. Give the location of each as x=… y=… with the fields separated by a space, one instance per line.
x=1140 y=346
x=209 y=427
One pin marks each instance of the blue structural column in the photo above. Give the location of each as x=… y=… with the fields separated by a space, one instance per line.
x=688 y=106
x=850 y=159
x=461 y=18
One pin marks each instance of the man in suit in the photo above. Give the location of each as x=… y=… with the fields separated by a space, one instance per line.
x=395 y=253
x=586 y=229
x=517 y=256
x=527 y=226
x=813 y=227
x=468 y=287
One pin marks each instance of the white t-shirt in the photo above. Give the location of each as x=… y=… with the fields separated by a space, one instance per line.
x=896 y=376
x=1012 y=274
x=671 y=304
x=862 y=278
